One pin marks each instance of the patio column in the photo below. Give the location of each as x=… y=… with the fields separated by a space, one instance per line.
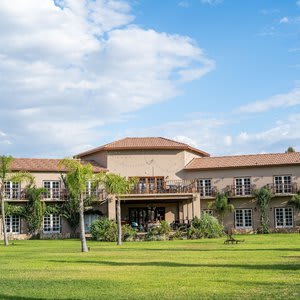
x=197 y=205
x=111 y=207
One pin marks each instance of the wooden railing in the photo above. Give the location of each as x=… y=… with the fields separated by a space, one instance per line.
x=241 y=190
x=283 y=188
x=168 y=186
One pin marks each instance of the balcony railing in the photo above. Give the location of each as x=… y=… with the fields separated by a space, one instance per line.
x=241 y=190
x=168 y=186
x=207 y=192
x=283 y=188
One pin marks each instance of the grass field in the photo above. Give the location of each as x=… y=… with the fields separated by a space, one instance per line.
x=264 y=267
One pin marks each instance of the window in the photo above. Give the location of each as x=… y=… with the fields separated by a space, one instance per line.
x=283 y=184
x=243 y=218
x=12 y=190
x=91 y=189
x=53 y=189
x=88 y=220
x=51 y=224
x=284 y=217
x=242 y=186
x=150 y=184
x=207 y=211
x=204 y=187
x=12 y=224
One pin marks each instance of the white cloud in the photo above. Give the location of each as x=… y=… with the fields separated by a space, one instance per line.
x=211 y=2
x=69 y=68
x=298 y=3
x=284 y=20
x=289 y=99
x=184 y=4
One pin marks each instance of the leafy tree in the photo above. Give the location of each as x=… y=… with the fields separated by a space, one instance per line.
x=77 y=177
x=118 y=185
x=295 y=201
x=290 y=150
x=263 y=197
x=35 y=209
x=221 y=206
x=7 y=175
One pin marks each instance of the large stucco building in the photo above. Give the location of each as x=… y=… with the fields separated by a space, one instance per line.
x=176 y=182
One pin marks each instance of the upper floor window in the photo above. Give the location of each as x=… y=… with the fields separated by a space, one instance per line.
x=204 y=187
x=243 y=218
x=53 y=189
x=12 y=224
x=12 y=189
x=242 y=186
x=91 y=189
x=284 y=217
x=283 y=184
x=51 y=223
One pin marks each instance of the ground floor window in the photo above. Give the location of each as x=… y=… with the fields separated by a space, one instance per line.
x=12 y=224
x=284 y=217
x=207 y=211
x=51 y=223
x=243 y=218
x=88 y=220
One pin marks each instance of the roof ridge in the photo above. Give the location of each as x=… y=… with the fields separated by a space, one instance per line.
x=243 y=155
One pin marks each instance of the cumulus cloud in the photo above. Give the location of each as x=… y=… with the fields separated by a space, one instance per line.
x=211 y=2
x=284 y=20
x=291 y=98
x=67 y=67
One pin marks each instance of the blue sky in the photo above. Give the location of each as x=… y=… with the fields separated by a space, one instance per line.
x=220 y=75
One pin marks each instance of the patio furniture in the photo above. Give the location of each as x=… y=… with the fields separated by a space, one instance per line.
x=231 y=240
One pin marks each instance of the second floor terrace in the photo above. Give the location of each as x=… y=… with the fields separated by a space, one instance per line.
x=242 y=187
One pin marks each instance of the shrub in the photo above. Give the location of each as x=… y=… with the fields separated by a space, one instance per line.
x=128 y=233
x=205 y=227
x=159 y=233
x=104 y=230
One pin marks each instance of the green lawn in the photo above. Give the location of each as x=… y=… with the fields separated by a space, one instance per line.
x=264 y=267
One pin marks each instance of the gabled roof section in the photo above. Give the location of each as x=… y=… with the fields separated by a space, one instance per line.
x=244 y=161
x=143 y=143
x=46 y=165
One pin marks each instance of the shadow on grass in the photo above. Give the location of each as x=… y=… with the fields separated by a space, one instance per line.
x=289 y=267
x=212 y=250
x=8 y=297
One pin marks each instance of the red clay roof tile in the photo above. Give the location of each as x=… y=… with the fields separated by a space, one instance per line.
x=45 y=165
x=143 y=143
x=247 y=161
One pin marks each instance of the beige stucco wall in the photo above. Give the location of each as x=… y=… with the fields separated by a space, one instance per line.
x=100 y=157
x=259 y=176
x=165 y=163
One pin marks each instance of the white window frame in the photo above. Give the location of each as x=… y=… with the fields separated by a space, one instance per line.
x=204 y=187
x=13 y=224
x=51 y=190
x=207 y=211
x=52 y=223
x=12 y=189
x=280 y=184
x=243 y=188
x=284 y=217
x=243 y=214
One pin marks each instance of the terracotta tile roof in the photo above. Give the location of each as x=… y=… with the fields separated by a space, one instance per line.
x=144 y=143
x=242 y=161
x=45 y=165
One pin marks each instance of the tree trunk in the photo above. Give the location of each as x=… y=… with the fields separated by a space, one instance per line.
x=119 y=221
x=3 y=221
x=84 y=247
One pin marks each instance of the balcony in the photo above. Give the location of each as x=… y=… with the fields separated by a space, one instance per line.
x=241 y=190
x=283 y=188
x=166 y=187
x=207 y=192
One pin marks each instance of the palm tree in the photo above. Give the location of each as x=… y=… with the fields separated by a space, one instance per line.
x=221 y=206
x=77 y=177
x=263 y=197
x=7 y=175
x=117 y=185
